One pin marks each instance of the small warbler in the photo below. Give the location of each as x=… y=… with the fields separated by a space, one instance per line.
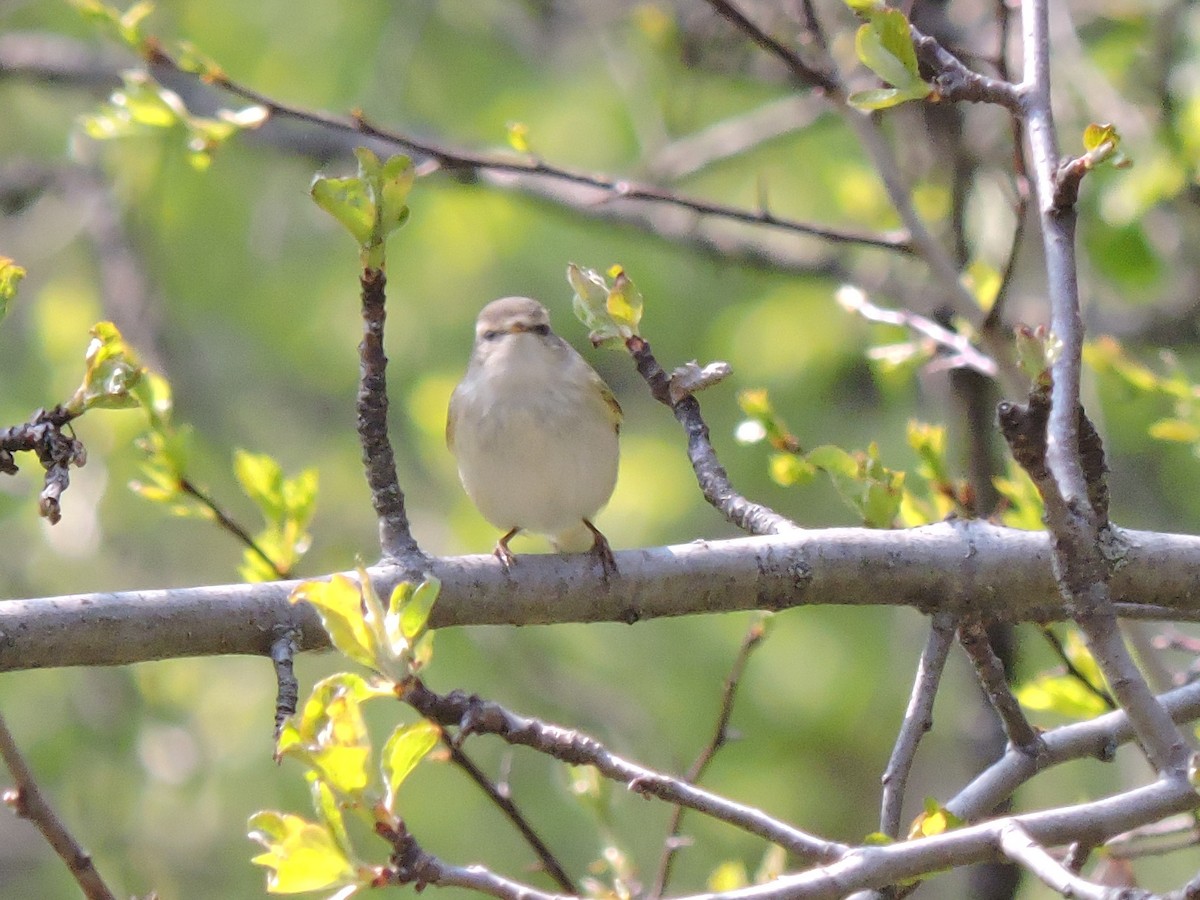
x=534 y=429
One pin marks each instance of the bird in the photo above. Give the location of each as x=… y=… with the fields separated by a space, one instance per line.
x=535 y=432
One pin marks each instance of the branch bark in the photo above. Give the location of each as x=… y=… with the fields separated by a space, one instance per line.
x=996 y=573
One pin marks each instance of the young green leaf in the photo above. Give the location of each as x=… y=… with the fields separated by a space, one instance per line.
x=415 y=613
x=111 y=374
x=10 y=276
x=339 y=603
x=406 y=747
x=302 y=855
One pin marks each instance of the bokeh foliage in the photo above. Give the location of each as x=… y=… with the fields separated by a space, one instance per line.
x=253 y=317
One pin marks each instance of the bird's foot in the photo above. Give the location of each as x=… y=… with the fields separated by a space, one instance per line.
x=600 y=547
x=502 y=553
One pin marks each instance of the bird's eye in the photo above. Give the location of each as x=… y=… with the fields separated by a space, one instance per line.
x=491 y=335
x=540 y=329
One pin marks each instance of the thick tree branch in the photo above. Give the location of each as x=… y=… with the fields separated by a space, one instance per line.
x=996 y=573
x=1096 y=738
x=1080 y=564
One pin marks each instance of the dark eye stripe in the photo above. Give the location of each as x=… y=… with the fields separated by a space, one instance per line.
x=540 y=329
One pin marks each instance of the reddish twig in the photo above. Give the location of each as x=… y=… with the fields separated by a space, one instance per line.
x=750 y=642
x=512 y=812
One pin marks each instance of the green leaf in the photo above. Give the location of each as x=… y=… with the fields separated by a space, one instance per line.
x=886 y=48
x=10 y=276
x=124 y=26
x=789 y=470
x=302 y=855
x=406 y=747
x=339 y=603
x=370 y=205
x=518 y=136
x=190 y=58
x=1065 y=695
x=330 y=735
x=261 y=477
x=395 y=182
x=983 y=280
x=1095 y=136
x=414 y=612
x=610 y=312
x=935 y=819
x=728 y=876
x=929 y=442
x=329 y=812
x=111 y=374
x=349 y=201
x=624 y=303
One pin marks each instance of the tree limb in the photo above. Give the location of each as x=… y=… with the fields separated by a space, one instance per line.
x=997 y=573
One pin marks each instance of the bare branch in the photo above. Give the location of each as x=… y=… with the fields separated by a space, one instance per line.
x=711 y=475
x=395 y=536
x=1021 y=848
x=918 y=719
x=961 y=351
x=752 y=640
x=473 y=715
x=1074 y=522
x=1096 y=738
x=989 y=668
x=999 y=573
x=954 y=81
x=512 y=812
x=27 y=802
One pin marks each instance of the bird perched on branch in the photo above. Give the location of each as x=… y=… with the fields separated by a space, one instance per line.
x=534 y=429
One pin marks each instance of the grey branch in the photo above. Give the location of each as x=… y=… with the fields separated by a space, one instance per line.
x=918 y=719
x=956 y=567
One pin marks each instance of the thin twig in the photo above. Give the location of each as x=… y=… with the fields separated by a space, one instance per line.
x=379 y=461
x=27 y=801
x=754 y=518
x=801 y=70
x=750 y=642
x=454 y=159
x=47 y=435
x=961 y=352
x=1073 y=670
x=954 y=81
x=867 y=130
x=990 y=670
x=287 y=692
x=509 y=808
x=473 y=715
x=918 y=719
x=225 y=521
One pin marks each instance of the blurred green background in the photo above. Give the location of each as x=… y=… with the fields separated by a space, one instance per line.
x=252 y=312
